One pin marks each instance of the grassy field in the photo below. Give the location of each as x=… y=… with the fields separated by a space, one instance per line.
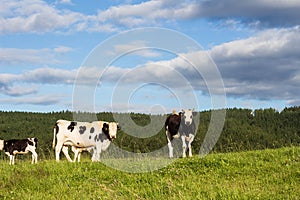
x=267 y=174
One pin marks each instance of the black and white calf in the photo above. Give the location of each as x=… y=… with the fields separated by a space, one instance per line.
x=95 y=135
x=23 y=146
x=182 y=126
x=78 y=150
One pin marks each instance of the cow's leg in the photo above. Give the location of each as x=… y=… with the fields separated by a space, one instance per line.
x=97 y=152
x=77 y=153
x=93 y=152
x=34 y=157
x=169 y=144
x=191 y=138
x=96 y=155
x=78 y=156
x=183 y=146
x=65 y=150
x=33 y=153
x=57 y=150
x=11 y=159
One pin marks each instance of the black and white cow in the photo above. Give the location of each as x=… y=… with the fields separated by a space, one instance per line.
x=181 y=125
x=96 y=135
x=23 y=146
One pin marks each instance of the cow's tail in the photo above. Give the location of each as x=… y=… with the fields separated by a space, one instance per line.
x=54 y=135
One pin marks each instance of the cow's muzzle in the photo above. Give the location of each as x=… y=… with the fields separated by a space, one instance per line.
x=187 y=123
x=113 y=137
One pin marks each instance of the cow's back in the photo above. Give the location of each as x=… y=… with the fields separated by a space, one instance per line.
x=15 y=145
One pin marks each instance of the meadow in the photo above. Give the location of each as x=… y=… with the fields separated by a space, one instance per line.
x=259 y=174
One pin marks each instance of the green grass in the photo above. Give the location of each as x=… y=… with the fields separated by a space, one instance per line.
x=267 y=174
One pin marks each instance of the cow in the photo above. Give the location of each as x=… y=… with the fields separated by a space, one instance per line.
x=96 y=135
x=181 y=125
x=23 y=146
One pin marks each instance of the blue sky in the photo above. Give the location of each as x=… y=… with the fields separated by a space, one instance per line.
x=47 y=48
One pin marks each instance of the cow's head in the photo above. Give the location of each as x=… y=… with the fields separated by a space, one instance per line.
x=187 y=116
x=1 y=144
x=110 y=129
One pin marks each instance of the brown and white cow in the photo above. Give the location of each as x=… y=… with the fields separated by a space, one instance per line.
x=13 y=147
x=181 y=125
x=95 y=135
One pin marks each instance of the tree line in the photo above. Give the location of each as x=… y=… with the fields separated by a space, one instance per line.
x=243 y=129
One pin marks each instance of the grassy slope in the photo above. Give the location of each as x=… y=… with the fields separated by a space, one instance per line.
x=268 y=174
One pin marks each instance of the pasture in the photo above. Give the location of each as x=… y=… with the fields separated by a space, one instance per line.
x=261 y=174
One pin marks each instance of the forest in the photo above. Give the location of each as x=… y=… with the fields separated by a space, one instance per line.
x=243 y=129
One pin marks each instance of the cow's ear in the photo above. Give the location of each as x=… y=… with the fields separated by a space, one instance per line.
x=105 y=127
x=195 y=113
x=118 y=126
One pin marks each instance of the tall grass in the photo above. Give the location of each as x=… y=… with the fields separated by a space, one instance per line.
x=267 y=174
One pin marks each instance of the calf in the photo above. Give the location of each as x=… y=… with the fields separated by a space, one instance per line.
x=181 y=125
x=23 y=146
x=78 y=150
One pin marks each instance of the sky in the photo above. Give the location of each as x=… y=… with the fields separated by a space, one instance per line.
x=148 y=56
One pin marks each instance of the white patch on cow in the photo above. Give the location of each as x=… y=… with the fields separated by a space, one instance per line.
x=1 y=145
x=188 y=116
x=183 y=146
x=191 y=139
x=113 y=128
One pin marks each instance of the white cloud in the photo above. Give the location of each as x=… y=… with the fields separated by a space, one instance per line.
x=67 y=2
x=14 y=56
x=137 y=47
x=264 y=66
x=62 y=49
x=43 y=100
x=19 y=90
x=36 y=16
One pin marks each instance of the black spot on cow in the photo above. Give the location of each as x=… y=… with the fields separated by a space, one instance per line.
x=96 y=138
x=103 y=137
x=56 y=128
x=105 y=129
x=172 y=124
x=71 y=126
x=92 y=130
x=82 y=129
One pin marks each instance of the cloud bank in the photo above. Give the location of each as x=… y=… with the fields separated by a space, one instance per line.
x=251 y=68
x=37 y=16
